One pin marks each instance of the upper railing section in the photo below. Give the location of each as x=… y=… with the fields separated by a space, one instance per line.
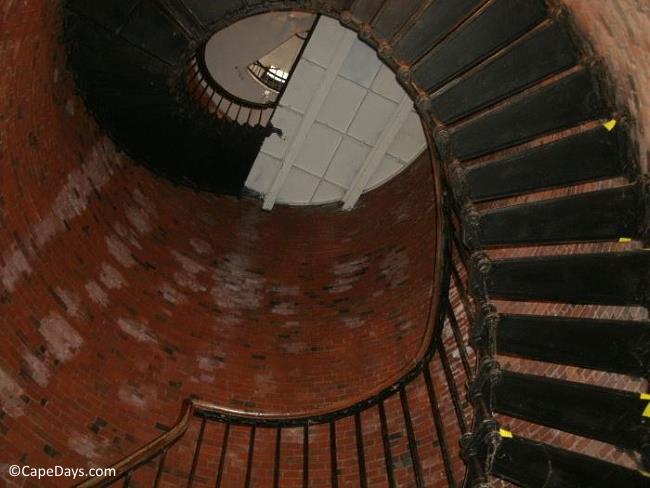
x=218 y=101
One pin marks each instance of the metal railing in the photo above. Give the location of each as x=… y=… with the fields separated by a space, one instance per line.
x=455 y=312
x=270 y=77
x=218 y=101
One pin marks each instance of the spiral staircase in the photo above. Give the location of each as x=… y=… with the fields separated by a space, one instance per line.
x=543 y=202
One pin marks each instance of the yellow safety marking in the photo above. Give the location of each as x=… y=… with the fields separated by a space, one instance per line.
x=610 y=124
x=505 y=433
x=646 y=412
x=624 y=239
x=645 y=396
x=644 y=473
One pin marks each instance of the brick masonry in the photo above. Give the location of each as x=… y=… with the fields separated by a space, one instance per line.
x=120 y=294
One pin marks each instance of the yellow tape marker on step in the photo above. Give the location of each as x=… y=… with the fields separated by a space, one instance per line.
x=610 y=124
x=624 y=239
x=644 y=473
x=646 y=396
x=505 y=433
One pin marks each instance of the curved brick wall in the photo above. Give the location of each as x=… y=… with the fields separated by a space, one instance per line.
x=122 y=294
x=619 y=31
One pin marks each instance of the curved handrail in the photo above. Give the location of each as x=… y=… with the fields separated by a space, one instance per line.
x=209 y=79
x=262 y=74
x=147 y=452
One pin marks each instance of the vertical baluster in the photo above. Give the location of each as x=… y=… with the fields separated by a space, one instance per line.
x=249 y=464
x=216 y=110
x=197 y=451
x=276 y=463
x=333 y=458
x=361 y=458
x=161 y=466
x=388 y=457
x=462 y=292
x=455 y=397
x=460 y=343
x=222 y=456
x=305 y=456
x=413 y=448
x=127 y=479
x=440 y=430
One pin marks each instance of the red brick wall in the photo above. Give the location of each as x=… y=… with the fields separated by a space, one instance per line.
x=121 y=294
x=619 y=31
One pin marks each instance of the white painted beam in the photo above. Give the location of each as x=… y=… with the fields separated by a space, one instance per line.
x=378 y=153
x=343 y=48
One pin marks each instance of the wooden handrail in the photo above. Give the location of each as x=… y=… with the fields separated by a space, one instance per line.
x=148 y=452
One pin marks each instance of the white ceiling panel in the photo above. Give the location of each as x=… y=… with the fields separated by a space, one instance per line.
x=322 y=44
x=327 y=192
x=386 y=85
x=307 y=77
x=319 y=148
x=347 y=162
x=388 y=168
x=341 y=104
x=372 y=117
x=288 y=121
x=263 y=173
x=348 y=126
x=410 y=140
x=298 y=188
x=361 y=65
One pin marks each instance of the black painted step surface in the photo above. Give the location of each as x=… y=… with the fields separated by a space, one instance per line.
x=433 y=24
x=608 y=415
x=607 y=278
x=534 y=465
x=591 y=155
x=209 y=13
x=594 y=216
x=492 y=28
x=545 y=52
x=607 y=345
x=153 y=30
x=393 y=16
x=112 y=15
x=365 y=10
x=564 y=103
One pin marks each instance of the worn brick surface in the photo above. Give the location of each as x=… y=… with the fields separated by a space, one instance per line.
x=120 y=294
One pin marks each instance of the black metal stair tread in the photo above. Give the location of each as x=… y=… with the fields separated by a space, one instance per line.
x=562 y=104
x=392 y=17
x=365 y=10
x=435 y=22
x=605 y=414
x=209 y=13
x=593 y=216
x=490 y=29
x=532 y=465
x=156 y=32
x=545 y=52
x=590 y=155
x=111 y=15
x=617 y=346
x=602 y=278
